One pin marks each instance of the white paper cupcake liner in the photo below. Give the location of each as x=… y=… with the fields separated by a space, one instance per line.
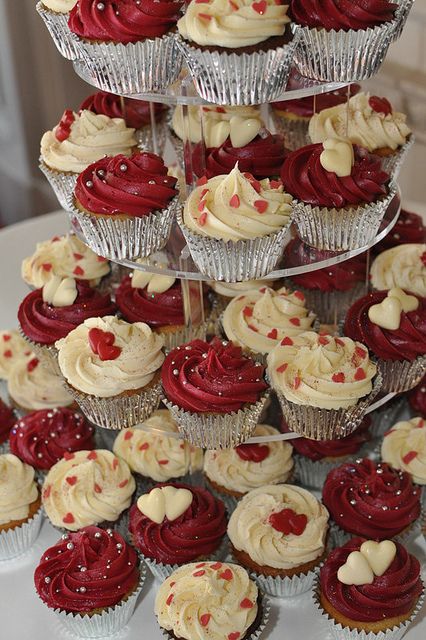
x=340 y=229
x=295 y=131
x=239 y=79
x=127 y=238
x=392 y=164
x=330 y=306
x=383 y=418
x=134 y=68
x=339 y=536
x=57 y=25
x=401 y=375
x=63 y=184
x=342 y=56
x=401 y=16
x=15 y=542
x=285 y=587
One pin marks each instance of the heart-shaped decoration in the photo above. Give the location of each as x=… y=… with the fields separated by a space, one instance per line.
x=177 y=501
x=164 y=501
x=380 y=555
x=356 y=570
x=288 y=521
x=243 y=130
x=153 y=505
x=102 y=344
x=408 y=303
x=380 y=105
x=60 y=292
x=337 y=157
x=216 y=131
x=260 y=7
x=252 y=452
x=386 y=314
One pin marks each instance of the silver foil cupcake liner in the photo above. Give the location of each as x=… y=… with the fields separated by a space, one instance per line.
x=175 y=338
x=340 y=229
x=145 y=484
x=234 y=261
x=330 y=306
x=312 y=473
x=126 y=238
x=144 y=137
x=217 y=430
x=63 y=184
x=57 y=25
x=386 y=416
x=392 y=164
x=401 y=375
x=339 y=536
x=342 y=56
x=285 y=587
x=295 y=131
x=14 y=542
x=401 y=16
x=134 y=68
x=239 y=79
x=47 y=353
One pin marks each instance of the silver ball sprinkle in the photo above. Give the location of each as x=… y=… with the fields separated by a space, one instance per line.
x=379 y=471
x=39 y=455
x=204 y=355
x=123 y=167
x=369 y=517
x=83 y=569
x=352 y=501
x=175 y=372
x=151 y=181
x=100 y=6
x=101 y=173
x=89 y=184
x=385 y=507
x=47 y=580
x=398 y=493
x=98 y=534
x=119 y=545
x=70 y=546
x=188 y=348
x=83 y=589
x=65 y=536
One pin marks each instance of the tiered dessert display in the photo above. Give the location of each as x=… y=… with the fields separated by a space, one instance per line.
x=233 y=289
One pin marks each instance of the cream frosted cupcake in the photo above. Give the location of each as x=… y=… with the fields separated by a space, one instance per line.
x=402 y=266
x=55 y=14
x=86 y=488
x=32 y=386
x=235 y=226
x=13 y=349
x=278 y=532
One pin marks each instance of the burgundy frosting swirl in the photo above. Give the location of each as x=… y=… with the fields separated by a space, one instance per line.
x=7 y=420
x=197 y=533
x=395 y=593
x=409 y=228
x=342 y=14
x=306 y=107
x=135 y=186
x=417 y=398
x=86 y=570
x=42 y=437
x=305 y=178
x=156 y=309
x=405 y=343
x=44 y=323
x=371 y=499
x=211 y=377
x=125 y=21
x=136 y=113
x=262 y=157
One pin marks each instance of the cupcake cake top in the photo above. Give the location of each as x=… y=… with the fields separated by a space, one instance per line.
x=371 y=499
x=366 y=120
x=356 y=15
x=403 y=266
x=7 y=420
x=260 y=319
x=235 y=289
x=241 y=24
x=87 y=570
x=280 y=526
x=41 y=438
x=417 y=398
x=404 y=447
x=33 y=386
x=64 y=256
x=59 y=6
x=321 y=370
x=87 y=487
x=249 y=466
x=307 y=106
x=211 y=377
x=136 y=113
x=409 y=228
x=135 y=186
x=236 y=207
x=154 y=454
x=107 y=356
x=177 y=523
x=82 y=138
x=13 y=348
x=17 y=489
x=212 y=600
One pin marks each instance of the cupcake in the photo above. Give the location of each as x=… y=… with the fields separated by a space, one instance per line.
x=214 y=392
x=258 y=320
x=223 y=292
x=55 y=14
x=130 y=52
x=237 y=54
x=112 y=370
x=408 y=229
x=324 y=383
x=42 y=438
x=76 y=142
x=86 y=488
x=278 y=533
x=403 y=266
x=369 y=590
x=20 y=512
x=125 y=206
x=404 y=447
x=174 y=524
x=371 y=499
x=341 y=194
x=7 y=420
x=13 y=349
x=67 y=580
x=417 y=398
x=154 y=455
x=401 y=14
x=393 y=326
x=331 y=37
x=235 y=226
x=32 y=386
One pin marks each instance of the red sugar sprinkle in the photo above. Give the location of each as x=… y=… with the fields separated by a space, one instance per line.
x=144 y=446
x=360 y=374
x=226 y=575
x=97 y=488
x=261 y=206
x=72 y=480
x=286 y=341
x=47 y=266
x=295 y=321
x=282 y=367
x=92 y=455
x=128 y=435
x=123 y=483
x=338 y=377
x=198 y=574
x=78 y=271
x=68 y=518
x=248 y=311
x=246 y=604
x=170 y=598
x=273 y=334
x=8 y=353
x=409 y=457
x=296 y=383
x=234 y=201
x=204 y=619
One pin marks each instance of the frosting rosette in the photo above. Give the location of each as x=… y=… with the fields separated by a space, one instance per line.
x=409 y=229
x=357 y=14
x=59 y=6
x=7 y=420
x=136 y=113
x=404 y=447
x=402 y=266
x=17 y=489
x=321 y=370
x=371 y=499
x=87 y=487
x=331 y=449
x=159 y=302
x=13 y=348
x=235 y=289
x=32 y=386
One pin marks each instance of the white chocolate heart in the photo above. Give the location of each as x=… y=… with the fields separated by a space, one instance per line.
x=387 y=314
x=153 y=505
x=408 y=303
x=164 y=501
x=177 y=501
x=338 y=156
x=356 y=570
x=379 y=555
x=60 y=292
x=155 y=282
x=216 y=132
x=243 y=130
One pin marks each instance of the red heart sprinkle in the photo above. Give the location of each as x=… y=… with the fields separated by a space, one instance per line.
x=248 y=312
x=102 y=344
x=409 y=457
x=261 y=205
x=144 y=446
x=202 y=219
x=72 y=480
x=169 y=599
x=380 y=105
x=202 y=564
x=78 y=271
x=201 y=205
x=360 y=374
x=200 y=181
x=262 y=290
x=273 y=334
x=323 y=340
x=233 y=5
x=92 y=455
x=62 y=133
x=246 y=604
x=226 y=575
x=78 y=256
x=198 y=574
x=115 y=464
x=286 y=342
x=234 y=635
x=46 y=492
x=216 y=566
x=97 y=488
x=220 y=110
x=68 y=456
x=282 y=367
x=423 y=258
x=47 y=266
x=31 y=365
x=288 y=521
x=172 y=584
x=101 y=259
x=128 y=435
x=253 y=328
x=339 y=342
x=204 y=619
x=420 y=424
x=68 y=518
x=163 y=462
x=234 y=201
x=300 y=295
x=6 y=337
x=360 y=352
x=295 y=321
x=55 y=239
x=338 y=377
x=252 y=452
x=296 y=383
x=260 y=7
x=8 y=353
x=204 y=16
x=123 y=483
x=203 y=193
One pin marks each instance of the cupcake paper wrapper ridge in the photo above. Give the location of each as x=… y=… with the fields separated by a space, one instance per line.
x=312 y=473
x=15 y=542
x=47 y=353
x=285 y=587
x=173 y=339
x=63 y=184
x=401 y=375
x=339 y=536
x=401 y=16
x=392 y=164
x=57 y=25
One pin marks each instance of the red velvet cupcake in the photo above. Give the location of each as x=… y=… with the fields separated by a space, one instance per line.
x=409 y=229
x=7 y=420
x=417 y=398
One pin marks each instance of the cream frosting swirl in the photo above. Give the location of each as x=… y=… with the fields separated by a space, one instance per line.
x=154 y=454
x=60 y=6
x=32 y=386
x=250 y=530
x=240 y=23
x=139 y=359
x=232 y=207
x=87 y=487
x=211 y=600
x=91 y=138
x=403 y=267
x=404 y=447
x=234 y=289
x=260 y=319
x=13 y=348
x=321 y=370
x=227 y=469
x=360 y=123
x=65 y=256
x=17 y=488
